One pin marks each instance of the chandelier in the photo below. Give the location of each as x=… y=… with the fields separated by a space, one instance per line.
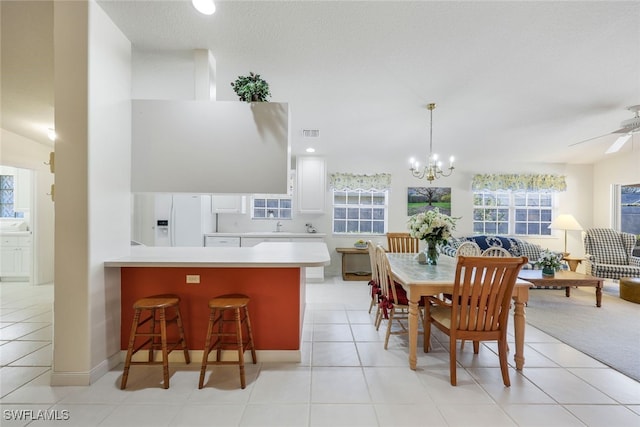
x=433 y=169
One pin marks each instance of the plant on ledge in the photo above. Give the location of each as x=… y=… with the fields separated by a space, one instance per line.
x=549 y=262
x=251 y=88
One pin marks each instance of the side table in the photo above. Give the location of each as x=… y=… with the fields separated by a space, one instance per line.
x=573 y=262
x=353 y=275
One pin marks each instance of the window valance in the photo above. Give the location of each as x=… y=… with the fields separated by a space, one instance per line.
x=519 y=182
x=349 y=181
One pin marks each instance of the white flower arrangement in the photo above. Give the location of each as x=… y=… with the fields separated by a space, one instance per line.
x=549 y=260
x=432 y=226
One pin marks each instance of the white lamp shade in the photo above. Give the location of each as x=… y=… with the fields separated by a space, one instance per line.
x=565 y=222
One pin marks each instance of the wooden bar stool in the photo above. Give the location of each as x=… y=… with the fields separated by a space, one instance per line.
x=156 y=305
x=220 y=337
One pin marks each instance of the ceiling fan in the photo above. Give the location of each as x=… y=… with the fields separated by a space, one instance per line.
x=627 y=128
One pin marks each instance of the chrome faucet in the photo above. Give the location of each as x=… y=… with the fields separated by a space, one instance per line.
x=278 y=226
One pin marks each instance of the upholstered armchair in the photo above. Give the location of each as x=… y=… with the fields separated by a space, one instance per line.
x=609 y=254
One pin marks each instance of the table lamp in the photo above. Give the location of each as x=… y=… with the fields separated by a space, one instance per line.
x=565 y=222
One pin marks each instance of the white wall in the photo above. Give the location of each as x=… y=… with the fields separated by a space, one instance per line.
x=92 y=224
x=621 y=168
x=167 y=74
x=110 y=176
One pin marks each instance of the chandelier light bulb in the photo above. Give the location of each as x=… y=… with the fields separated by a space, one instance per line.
x=206 y=7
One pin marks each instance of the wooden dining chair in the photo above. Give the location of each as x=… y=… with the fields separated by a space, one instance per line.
x=402 y=243
x=394 y=304
x=479 y=308
x=374 y=283
x=496 y=251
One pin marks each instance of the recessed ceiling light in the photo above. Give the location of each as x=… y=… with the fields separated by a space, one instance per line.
x=206 y=7
x=310 y=150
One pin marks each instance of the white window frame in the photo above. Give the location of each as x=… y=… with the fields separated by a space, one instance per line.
x=617 y=209
x=358 y=208
x=506 y=212
x=279 y=211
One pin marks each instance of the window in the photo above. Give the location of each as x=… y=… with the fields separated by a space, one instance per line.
x=630 y=208
x=512 y=212
x=271 y=207
x=360 y=211
x=7 y=193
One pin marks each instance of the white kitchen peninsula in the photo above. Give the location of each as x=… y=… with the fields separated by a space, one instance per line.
x=271 y=274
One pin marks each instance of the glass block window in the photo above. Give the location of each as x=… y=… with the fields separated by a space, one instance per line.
x=525 y=213
x=7 y=194
x=360 y=212
x=267 y=207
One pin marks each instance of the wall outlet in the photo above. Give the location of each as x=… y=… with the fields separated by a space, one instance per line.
x=193 y=278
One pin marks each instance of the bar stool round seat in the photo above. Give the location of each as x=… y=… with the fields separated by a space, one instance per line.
x=230 y=332
x=155 y=334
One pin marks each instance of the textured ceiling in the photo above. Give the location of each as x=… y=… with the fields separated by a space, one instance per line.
x=512 y=79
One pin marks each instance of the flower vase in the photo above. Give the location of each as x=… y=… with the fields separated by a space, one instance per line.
x=432 y=253
x=548 y=272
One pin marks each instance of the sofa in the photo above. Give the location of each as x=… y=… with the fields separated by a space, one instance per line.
x=515 y=246
x=609 y=254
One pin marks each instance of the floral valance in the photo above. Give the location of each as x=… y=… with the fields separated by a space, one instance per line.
x=519 y=182
x=349 y=181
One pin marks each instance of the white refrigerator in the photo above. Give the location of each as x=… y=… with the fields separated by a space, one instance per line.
x=171 y=219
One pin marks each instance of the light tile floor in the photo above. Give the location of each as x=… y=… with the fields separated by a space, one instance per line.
x=346 y=378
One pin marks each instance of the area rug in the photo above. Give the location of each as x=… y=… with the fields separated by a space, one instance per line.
x=609 y=334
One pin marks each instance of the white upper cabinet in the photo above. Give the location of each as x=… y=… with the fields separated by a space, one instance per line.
x=311 y=184
x=229 y=204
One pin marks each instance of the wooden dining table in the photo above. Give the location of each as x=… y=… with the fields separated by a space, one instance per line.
x=420 y=280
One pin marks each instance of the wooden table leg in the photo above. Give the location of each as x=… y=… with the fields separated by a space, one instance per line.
x=413 y=334
x=567 y=291
x=344 y=267
x=519 y=323
x=599 y=293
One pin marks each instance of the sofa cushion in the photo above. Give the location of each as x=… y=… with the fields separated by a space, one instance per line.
x=485 y=242
x=530 y=250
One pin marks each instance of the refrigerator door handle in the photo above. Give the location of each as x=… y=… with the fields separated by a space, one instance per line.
x=172 y=222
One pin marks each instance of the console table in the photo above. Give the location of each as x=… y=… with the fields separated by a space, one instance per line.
x=353 y=275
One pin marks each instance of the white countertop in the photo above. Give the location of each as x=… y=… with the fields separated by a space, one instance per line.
x=15 y=233
x=267 y=254
x=267 y=234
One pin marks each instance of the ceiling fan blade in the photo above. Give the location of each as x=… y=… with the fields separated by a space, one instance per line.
x=625 y=130
x=617 y=145
x=591 y=139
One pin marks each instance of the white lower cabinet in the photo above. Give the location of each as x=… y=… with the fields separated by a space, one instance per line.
x=15 y=256
x=312 y=274
x=220 y=242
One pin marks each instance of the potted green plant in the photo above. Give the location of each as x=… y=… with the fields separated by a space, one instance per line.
x=251 y=88
x=549 y=262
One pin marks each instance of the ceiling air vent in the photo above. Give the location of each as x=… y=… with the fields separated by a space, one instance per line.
x=310 y=133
